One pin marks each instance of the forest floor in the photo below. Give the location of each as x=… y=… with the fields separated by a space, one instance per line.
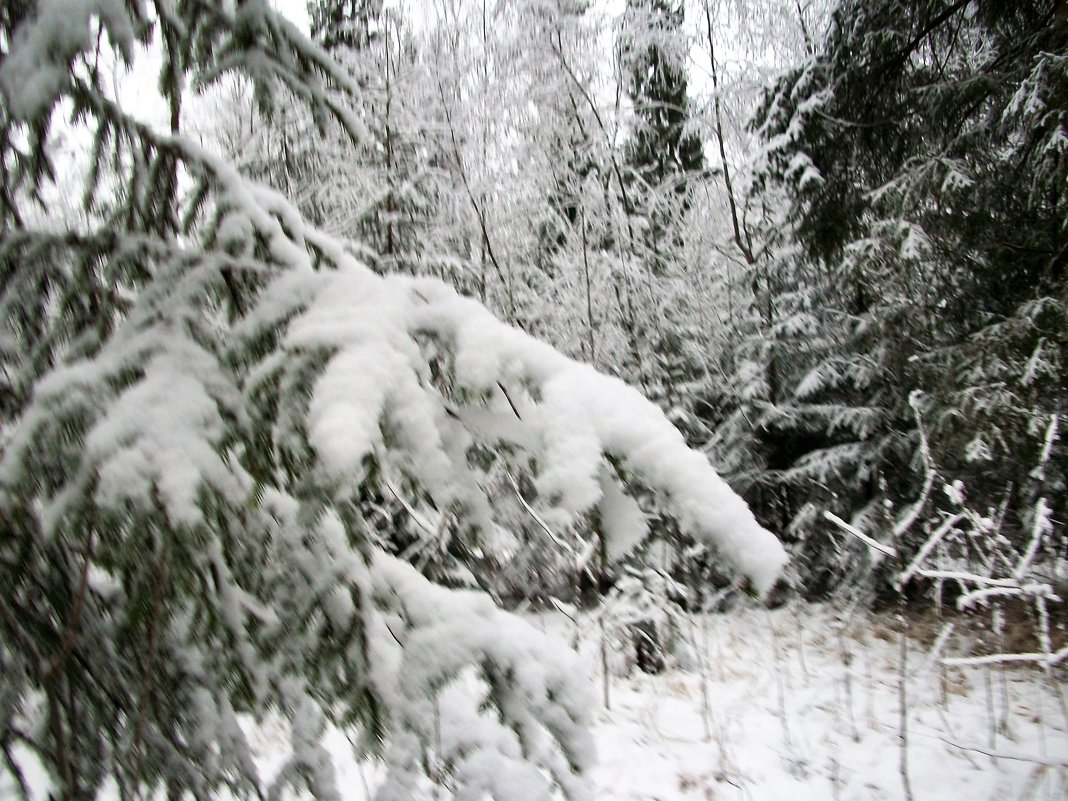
x=798 y=704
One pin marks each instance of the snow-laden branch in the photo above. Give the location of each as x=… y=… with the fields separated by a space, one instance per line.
x=1041 y=527
x=573 y=419
x=1043 y=660
x=905 y=524
x=925 y=551
x=1033 y=590
x=965 y=577
x=496 y=701
x=860 y=535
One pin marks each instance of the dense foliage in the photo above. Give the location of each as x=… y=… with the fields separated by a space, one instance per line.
x=915 y=277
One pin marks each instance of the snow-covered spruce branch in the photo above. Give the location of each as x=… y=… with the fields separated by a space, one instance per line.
x=534 y=737
x=250 y=39
x=573 y=418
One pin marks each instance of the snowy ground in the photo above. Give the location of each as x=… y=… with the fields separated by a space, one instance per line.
x=763 y=707
x=786 y=719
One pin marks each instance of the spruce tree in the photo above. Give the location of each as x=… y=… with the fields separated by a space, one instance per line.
x=663 y=159
x=920 y=257
x=345 y=24
x=654 y=54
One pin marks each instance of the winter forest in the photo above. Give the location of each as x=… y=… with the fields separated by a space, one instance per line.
x=533 y=400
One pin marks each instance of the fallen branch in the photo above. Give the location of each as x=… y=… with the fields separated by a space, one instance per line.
x=860 y=535
x=1046 y=660
x=1050 y=762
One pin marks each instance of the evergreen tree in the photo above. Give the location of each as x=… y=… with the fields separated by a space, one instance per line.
x=920 y=149
x=209 y=401
x=345 y=24
x=380 y=191
x=663 y=158
x=663 y=150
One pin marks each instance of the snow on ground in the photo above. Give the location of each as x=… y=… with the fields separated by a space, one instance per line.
x=787 y=718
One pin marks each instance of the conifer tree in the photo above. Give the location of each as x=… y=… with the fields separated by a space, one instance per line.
x=381 y=193
x=663 y=150
x=662 y=157
x=922 y=250
x=346 y=24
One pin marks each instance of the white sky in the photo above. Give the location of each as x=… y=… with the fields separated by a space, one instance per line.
x=295 y=10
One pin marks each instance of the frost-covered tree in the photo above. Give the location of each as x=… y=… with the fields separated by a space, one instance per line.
x=220 y=430
x=381 y=193
x=653 y=53
x=348 y=24
x=922 y=248
x=663 y=159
